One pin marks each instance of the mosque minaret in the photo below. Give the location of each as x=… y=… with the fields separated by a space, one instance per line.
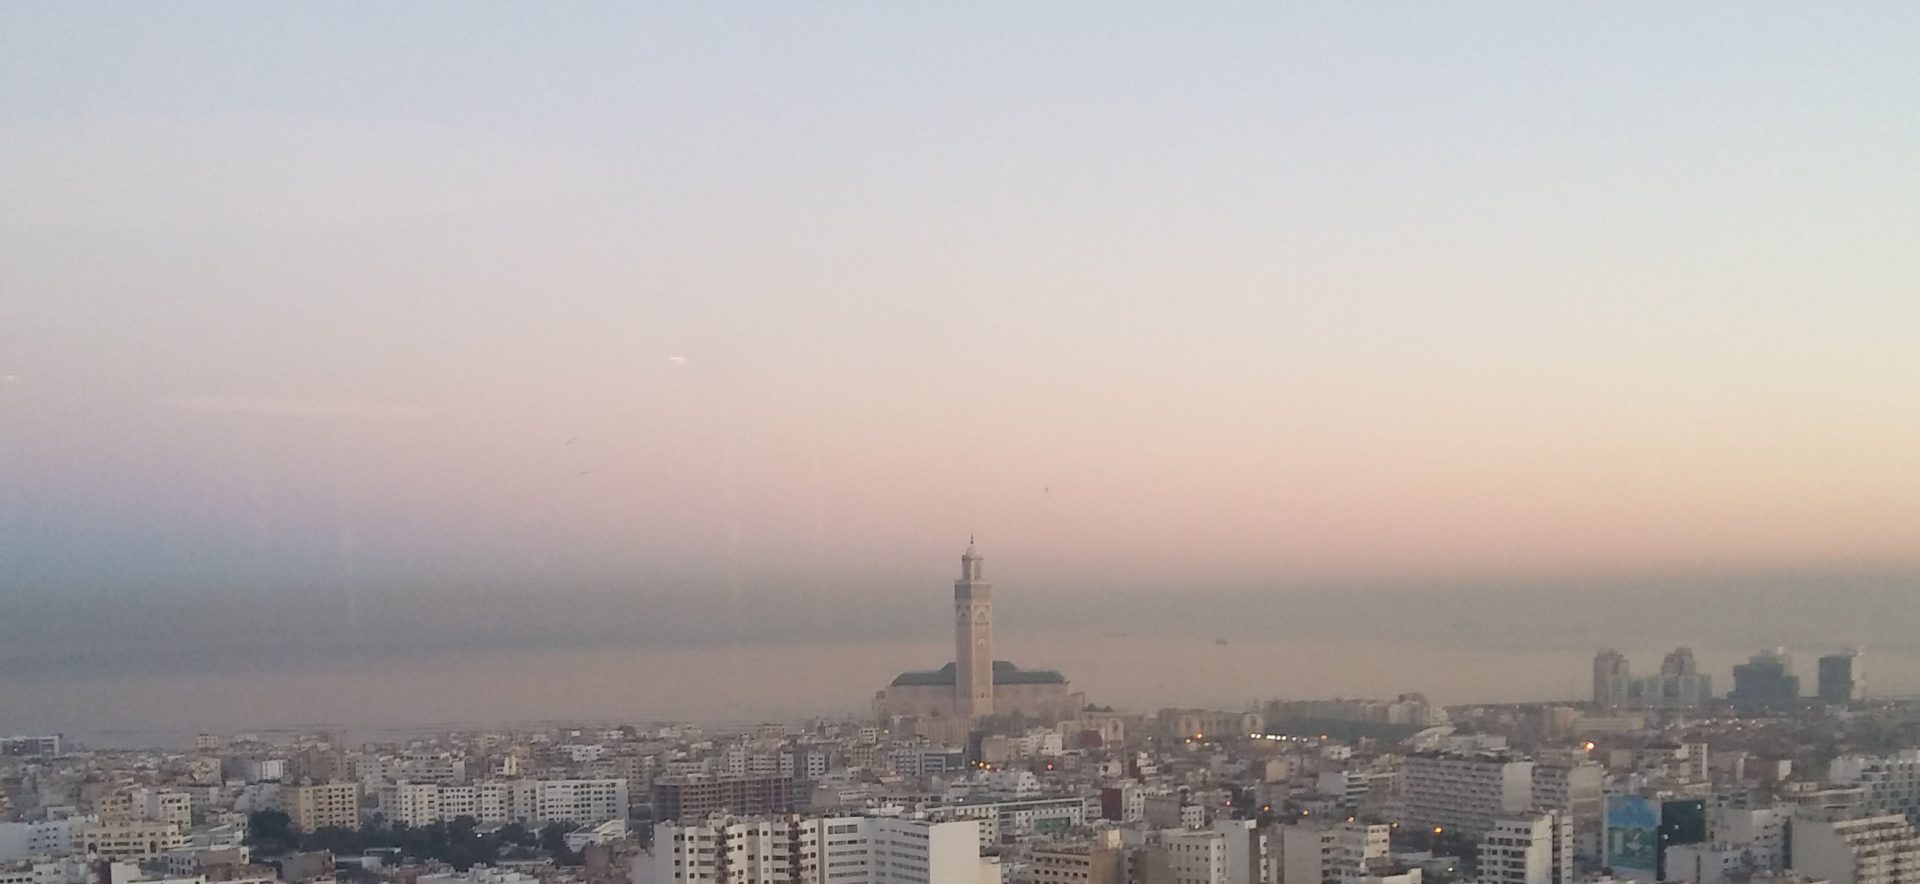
x=975 y=686
x=972 y=638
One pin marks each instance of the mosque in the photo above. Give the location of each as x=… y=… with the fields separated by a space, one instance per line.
x=975 y=685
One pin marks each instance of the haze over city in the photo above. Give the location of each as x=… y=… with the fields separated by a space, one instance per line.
x=393 y=365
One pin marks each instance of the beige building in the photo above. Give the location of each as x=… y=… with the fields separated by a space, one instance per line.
x=129 y=839
x=325 y=805
x=976 y=685
x=141 y=803
x=1098 y=860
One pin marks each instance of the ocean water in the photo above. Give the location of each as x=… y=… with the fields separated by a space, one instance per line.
x=373 y=696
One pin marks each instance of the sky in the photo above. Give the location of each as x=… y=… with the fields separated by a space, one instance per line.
x=778 y=304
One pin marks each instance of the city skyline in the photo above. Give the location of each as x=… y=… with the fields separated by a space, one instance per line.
x=1380 y=443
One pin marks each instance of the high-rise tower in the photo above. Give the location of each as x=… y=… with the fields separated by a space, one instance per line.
x=1610 y=680
x=972 y=638
x=1841 y=678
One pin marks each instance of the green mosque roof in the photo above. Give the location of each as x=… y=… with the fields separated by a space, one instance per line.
x=1004 y=672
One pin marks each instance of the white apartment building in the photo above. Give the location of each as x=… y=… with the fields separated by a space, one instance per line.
x=45 y=838
x=1350 y=787
x=533 y=802
x=70 y=870
x=48 y=745
x=266 y=770
x=1578 y=791
x=444 y=768
x=489 y=803
x=1336 y=853
x=1251 y=857
x=1130 y=800
x=415 y=804
x=803 y=764
x=1871 y=850
x=820 y=850
x=1196 y=857
x=1016 y=817
x=1891 y=783
x=1040 y=741
x=1534 y=848
x=1707 y=863
x=579 y=801
x=1761 y=832
x=1465 y=793
x=458 y=801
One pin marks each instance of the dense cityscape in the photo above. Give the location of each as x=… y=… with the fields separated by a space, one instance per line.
x=982 y=771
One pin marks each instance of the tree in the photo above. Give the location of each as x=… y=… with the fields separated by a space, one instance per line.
x=553 y=839
x=270 y=832
x=516 y=833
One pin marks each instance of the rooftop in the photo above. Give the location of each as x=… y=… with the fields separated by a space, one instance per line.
x=1004 y=672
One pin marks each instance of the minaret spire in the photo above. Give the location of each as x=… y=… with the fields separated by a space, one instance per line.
x=973 y=637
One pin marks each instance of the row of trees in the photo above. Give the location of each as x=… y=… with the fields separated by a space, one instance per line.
x=459 y=842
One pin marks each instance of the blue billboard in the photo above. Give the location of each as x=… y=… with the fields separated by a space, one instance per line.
x=1633 y=842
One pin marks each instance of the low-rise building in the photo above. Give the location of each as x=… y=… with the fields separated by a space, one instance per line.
x=129 y=839
x=1016 y=817
x=817 y=850
x=1197 y=857
x=1333 y=853
x=1870 y=850
x=1098 y=860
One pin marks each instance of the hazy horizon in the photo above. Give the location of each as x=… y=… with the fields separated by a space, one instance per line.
x=414 y=332
x=123 y=668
